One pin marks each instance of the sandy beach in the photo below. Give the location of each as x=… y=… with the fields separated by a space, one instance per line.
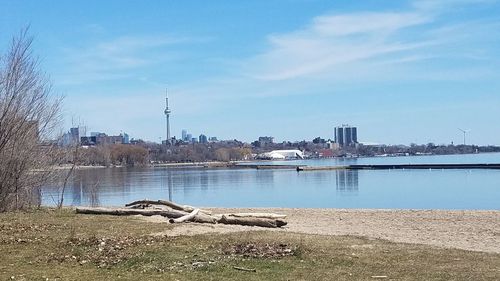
x=467 y=230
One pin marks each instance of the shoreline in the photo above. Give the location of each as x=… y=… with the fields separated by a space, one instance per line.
x=254 y=163
x=473 y=230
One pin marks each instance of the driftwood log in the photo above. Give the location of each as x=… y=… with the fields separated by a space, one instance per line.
x=252 y=221
x=177 y=214
x=257 y=215
x=175 y=206
x=130 y=212
x=167 y=203
x=203 y=218
x=184 y=218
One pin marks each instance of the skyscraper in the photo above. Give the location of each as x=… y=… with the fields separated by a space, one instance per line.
x=346 y=135
x=202 y=139
x=75 y=135
x=184 y=135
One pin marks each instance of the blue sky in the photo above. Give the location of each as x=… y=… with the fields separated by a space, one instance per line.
x=401 y=71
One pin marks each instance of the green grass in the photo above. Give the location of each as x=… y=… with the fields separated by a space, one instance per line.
x=60 y=245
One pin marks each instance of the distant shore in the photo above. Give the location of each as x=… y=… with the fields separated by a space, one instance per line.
x=241 y=164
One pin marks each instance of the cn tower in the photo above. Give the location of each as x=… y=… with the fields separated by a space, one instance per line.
x=167 y=114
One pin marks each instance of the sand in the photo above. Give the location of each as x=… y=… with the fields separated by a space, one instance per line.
x=467 y=230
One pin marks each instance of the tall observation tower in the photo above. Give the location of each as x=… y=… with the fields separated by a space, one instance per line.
x=167 y=114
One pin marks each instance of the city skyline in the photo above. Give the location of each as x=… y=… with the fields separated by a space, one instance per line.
x=418 y=69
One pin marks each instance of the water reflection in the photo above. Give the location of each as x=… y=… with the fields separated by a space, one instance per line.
x=167 y=183
x=83 y=187
x=347 y=180
x=450 y=189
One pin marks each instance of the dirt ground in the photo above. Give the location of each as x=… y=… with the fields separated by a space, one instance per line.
x=468 y=230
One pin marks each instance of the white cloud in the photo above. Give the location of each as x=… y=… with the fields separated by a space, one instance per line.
x=443 y=5
x=115 y=58
x=365 y=22
x=332 y=43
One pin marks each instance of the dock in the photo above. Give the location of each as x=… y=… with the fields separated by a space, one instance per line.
x=265 y=167
x=425 y=166
x=403 y=167
x=322 y=168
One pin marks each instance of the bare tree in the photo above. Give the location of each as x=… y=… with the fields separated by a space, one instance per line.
x=29 y=114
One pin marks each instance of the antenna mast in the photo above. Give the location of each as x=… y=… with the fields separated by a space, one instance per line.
x=167 y=115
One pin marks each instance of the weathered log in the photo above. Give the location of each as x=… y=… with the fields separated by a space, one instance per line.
x=139 y=206
x=129 y=212
x=187 y=217
x=203 y=218
x=252 y=221
x=158 y=202
x=175 y=206
x=195 y=216
x=258 y=215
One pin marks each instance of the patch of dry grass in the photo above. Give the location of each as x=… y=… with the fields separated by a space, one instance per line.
x=60 y=245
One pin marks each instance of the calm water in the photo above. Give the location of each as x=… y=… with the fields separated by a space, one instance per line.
x=407 y=189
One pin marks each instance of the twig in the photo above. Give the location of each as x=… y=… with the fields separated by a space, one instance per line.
x=245 y=269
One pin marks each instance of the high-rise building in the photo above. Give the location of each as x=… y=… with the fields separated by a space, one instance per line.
x=126 y=138
x=189 y=137
x=184 y=135
x=346 y=135
x=75 y=135
x=202 y=138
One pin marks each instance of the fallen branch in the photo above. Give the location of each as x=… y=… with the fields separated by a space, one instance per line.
x=203 y=218
x=252 y=221
x=187 y=217
x=175 y=206
x=128 y=212
x=258 y=215
x=245 y=269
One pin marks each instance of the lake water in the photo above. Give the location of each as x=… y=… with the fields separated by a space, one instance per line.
x=381 y=189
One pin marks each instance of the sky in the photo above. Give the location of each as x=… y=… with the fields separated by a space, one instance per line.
x=401 y=71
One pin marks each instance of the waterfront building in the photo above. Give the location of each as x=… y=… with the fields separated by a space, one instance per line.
x=346 y=135
x=333 y=145
x=281 y=155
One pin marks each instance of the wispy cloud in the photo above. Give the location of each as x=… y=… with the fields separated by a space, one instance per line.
x=444 y=5
x=115 y=58
x=335 y=42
